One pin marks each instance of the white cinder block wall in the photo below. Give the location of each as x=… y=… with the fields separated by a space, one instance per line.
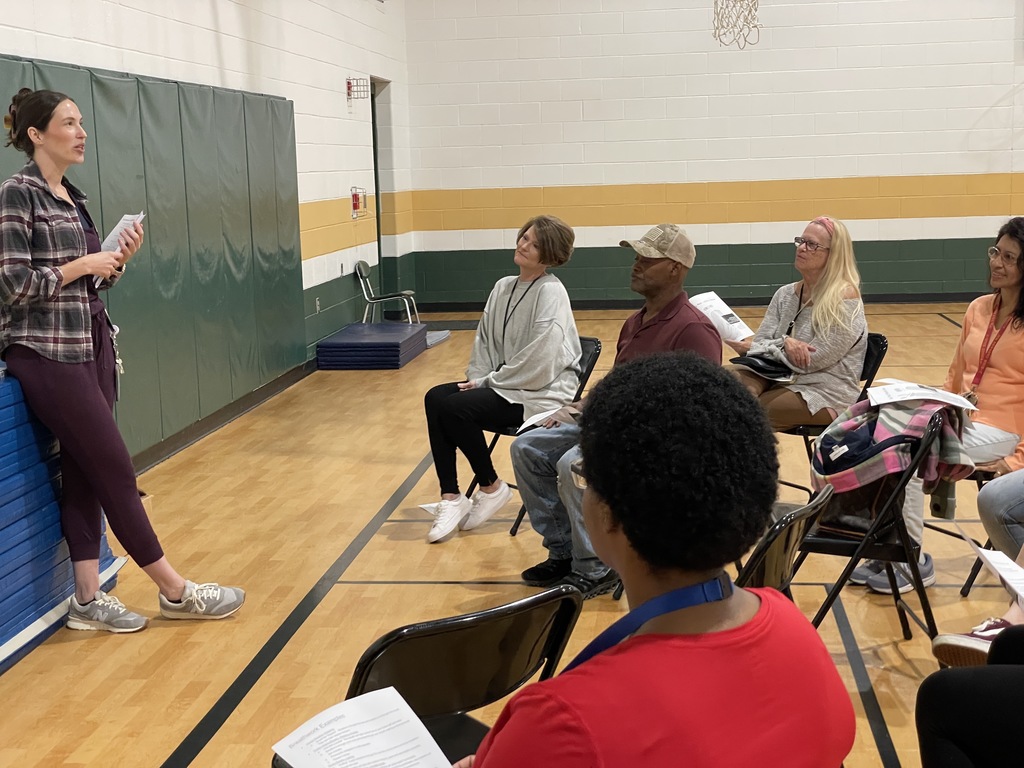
x=506 y=94
x=540 y=93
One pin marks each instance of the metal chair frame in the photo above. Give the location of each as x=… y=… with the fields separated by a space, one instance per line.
x=406 y=297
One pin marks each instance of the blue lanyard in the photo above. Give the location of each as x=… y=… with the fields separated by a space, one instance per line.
x=711 y=591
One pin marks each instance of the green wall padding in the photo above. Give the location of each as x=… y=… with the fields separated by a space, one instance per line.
x=172 y=302
x=233 y=178
x=206 y=239
x=211 y=307
x=288 y=272
x=118 y=140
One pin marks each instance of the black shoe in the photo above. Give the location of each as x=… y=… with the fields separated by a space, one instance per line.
x=548 y=573
x=592 y=587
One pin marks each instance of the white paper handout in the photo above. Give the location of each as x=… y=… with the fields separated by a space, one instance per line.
x=540 y=418
x=110 y=241
x=375 y=730
x=729 y=326
x=897 y=391
x=1006 y=570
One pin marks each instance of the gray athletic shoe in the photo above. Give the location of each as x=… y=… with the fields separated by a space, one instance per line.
x=104 y=612
x=203 y=601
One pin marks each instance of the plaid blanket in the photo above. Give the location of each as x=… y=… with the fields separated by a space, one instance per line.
x=944 y=464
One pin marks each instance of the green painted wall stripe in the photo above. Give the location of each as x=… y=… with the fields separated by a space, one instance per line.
x=733 y=271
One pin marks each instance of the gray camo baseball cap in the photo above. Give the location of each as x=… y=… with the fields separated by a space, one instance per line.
x=664 y=241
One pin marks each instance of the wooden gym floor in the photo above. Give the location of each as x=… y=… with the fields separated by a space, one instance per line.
x=310 y=502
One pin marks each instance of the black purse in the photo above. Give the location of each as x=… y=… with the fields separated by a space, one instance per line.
x=765 y=367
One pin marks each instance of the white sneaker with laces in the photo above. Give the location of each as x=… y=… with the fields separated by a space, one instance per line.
x=450 y=515
x=485 y=505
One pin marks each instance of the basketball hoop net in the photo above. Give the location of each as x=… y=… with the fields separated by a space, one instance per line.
x=736 y=22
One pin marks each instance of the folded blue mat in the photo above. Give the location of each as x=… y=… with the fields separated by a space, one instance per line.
x=371 y=346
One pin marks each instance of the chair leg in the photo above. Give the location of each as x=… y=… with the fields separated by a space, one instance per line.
x=490 y=449
x=415 y=309
x=519 y=521
x=965 y=590
x=617 y=594
x=904 y=624
x=366 y=311
x=408 y=310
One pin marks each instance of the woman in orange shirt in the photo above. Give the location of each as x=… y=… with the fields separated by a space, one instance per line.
x=988 y=367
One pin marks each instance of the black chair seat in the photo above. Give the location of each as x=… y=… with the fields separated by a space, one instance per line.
x=886 y=540
x=457 y=735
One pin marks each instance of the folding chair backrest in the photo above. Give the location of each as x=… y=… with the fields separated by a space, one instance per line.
x=363 y=274
x=458 y=664
x=877 y=346
x=591 y=352
x=771 y=562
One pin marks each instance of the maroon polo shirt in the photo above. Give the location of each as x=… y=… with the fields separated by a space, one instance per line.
x=678 y=326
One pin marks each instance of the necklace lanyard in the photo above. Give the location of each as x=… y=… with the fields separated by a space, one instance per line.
x=509 y=312
x=801 y=309
x=710 y=591
x=986 y=351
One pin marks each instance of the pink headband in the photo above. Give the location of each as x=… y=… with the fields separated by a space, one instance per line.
x=827 y=223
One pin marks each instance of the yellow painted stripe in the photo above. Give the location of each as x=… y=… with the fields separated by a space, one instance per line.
x=327 y=225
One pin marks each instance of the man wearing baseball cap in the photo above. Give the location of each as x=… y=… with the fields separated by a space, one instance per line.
x=541 y=458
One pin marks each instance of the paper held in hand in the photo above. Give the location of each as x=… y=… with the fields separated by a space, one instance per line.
x=1006 y=570
x=729 y=326
x=569 y=415
x=376 y=729
x=110 y=241
x=897 y=391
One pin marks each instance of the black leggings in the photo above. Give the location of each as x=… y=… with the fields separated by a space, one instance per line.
x=456 y=419
x=968 y=717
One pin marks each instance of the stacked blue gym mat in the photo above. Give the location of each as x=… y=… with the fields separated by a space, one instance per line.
x=371 y=346
x=35 y=570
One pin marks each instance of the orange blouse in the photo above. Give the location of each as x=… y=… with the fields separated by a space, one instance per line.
x=1001 y=391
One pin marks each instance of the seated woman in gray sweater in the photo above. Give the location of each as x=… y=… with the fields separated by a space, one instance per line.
x=817 y=327
x=525 y=360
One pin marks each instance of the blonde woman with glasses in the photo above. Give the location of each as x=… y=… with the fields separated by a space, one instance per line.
x=817 y=328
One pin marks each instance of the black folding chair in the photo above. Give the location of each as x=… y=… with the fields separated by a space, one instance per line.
x=591 y=347
x=771 y=564
x=877 y=346
x=406 y=297
x=886 y=540
x=448 y=667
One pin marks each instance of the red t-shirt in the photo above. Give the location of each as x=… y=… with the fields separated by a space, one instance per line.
x=678 y=326
x=764 y=694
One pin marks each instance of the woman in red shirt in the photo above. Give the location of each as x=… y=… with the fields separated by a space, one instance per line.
x=700 y=673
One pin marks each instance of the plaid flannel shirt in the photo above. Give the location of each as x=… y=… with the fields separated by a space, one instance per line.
x=944 y=464
x=39 y=232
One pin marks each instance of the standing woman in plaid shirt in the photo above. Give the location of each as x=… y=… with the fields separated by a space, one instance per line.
x=55 y=336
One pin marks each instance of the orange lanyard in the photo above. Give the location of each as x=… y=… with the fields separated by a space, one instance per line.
x=986 y=350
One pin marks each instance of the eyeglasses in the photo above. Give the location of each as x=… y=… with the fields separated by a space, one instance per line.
x=811 y=245
x=578 y=478
x=1005 y=257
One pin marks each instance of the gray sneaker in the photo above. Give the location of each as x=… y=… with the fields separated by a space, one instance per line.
x=866 y=570
x=104 y=612
x=203 y=601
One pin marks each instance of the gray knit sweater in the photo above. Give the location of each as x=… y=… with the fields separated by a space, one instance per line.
x=528 y=349
x=832 y=380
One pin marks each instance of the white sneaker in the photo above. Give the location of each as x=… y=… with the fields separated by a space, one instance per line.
x=450 y=515
x=485 y=505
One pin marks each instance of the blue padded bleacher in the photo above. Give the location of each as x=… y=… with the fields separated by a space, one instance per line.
x=371 y=346
x=36 y=578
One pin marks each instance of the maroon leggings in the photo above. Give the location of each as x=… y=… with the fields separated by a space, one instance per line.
x=75 y=401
